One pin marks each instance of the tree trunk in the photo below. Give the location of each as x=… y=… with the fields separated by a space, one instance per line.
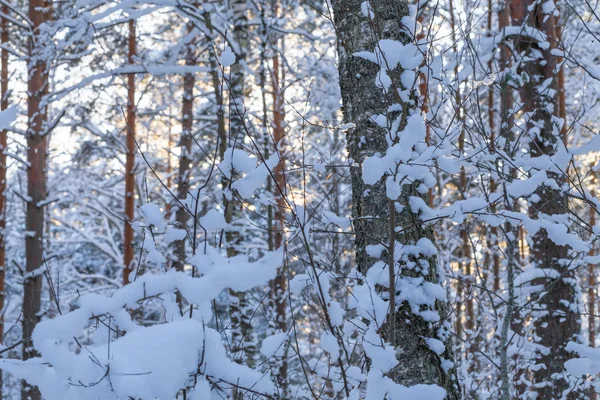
x=242 y=343
x=557 y=324
x=424 y=88
x=464 y=252
x=375 y=217
x=279 y=286
x=591 y=309
x=493 y=185
x=128 y=251
x=40 y=11
x=185 y=158
x=591 y=292
x=3 y=166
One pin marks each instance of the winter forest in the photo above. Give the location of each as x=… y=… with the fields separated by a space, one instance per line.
x=299 y=199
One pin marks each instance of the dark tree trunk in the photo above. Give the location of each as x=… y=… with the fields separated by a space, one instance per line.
x=40 y=11
x=557 y=323
x=3 y=166
x=375 y=216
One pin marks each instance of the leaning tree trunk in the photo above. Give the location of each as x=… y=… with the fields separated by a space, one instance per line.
x=128 y=250
x=380 y=218
x=40 y=12
x=557 y=323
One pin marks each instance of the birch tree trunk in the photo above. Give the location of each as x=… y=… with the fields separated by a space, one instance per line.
x=40 y=11
x=377 y=218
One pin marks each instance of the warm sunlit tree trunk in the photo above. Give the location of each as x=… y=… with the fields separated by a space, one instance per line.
x=424 y=86
x=128 y=251
x=279 y=287
x=40 y=11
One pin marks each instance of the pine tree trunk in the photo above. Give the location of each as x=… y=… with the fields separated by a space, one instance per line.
x=40 y=11
x=3 y=167
x=557 y=324
x=128 y=250
x=424 y=88
x=375 y=216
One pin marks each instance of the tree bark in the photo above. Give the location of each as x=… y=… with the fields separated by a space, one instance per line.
x=40 y=11
x=374 y=214
x=3 y=167
x=557 y=324
x=128 y=251
x=591 y=309
x=464 y=251
x=185 y=158
x=242 y=344
x=279 y=286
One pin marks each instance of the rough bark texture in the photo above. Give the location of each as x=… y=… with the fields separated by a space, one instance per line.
x=371 y=208
x=239 y=9
x=128 y=250
x=3 y=166
x=237 y=129
x=40 y=11
x=241 y=330
x=557 y=323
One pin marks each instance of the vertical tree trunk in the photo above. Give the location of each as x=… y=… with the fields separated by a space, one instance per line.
x=510 y=319
x=128 y=250
x=464 y=253
x=40 y=11
x=242 y=343
x=185 y=143
x=591 y=308
x=279 y=286
x=562 y=102
x=236 y=111
x=376 y=219
x=3 y=166
x=591 y=292
x=424 y=88
x=493 y=185
x=557 y=324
